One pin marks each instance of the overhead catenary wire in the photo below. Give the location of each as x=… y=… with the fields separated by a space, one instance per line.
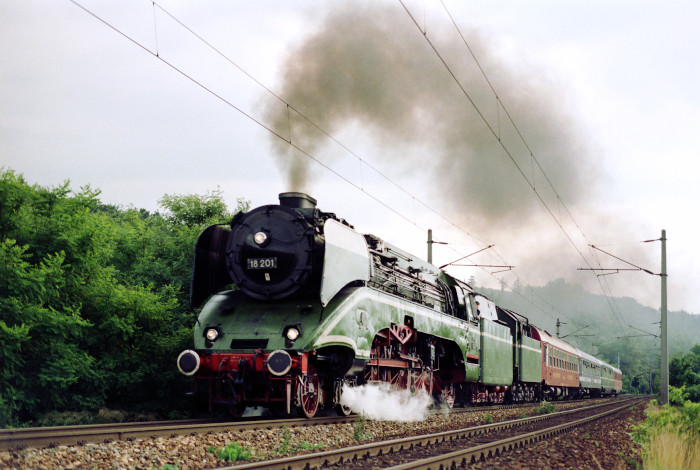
x=363 y=161
x=158 y=55
x=288 y=139
x=496 y=133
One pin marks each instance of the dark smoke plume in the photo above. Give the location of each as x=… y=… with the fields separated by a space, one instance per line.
x=371 y=68
x=370 y=65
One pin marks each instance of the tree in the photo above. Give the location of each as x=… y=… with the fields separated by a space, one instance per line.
x=193 y=210
x=93 y=298
x=684 y=371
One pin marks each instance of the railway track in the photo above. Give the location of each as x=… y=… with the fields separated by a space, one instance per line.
x=447 y=449
x=20 y=438
x=78 y=435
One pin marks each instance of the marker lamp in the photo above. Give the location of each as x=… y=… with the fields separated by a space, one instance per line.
x=211 y=334
x=292 y=334
x=260 y=238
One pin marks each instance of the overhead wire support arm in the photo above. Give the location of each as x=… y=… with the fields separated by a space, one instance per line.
x=632 y=336
x=452 y=263
x=483 y=266
x=572 y=333
x=505 y=267
x=646 y=333
x=614 y=270
x=637 y=268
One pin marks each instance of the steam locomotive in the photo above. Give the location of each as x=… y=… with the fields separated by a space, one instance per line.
x=299 y=305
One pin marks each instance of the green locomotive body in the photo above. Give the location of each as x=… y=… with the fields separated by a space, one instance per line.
x=299 y=305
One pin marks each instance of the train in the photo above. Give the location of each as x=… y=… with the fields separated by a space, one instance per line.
x=296 y=306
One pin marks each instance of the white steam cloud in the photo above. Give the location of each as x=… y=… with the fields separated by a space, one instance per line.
x=378 y=401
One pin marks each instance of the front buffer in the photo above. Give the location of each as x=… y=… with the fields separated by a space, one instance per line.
x=256 y=353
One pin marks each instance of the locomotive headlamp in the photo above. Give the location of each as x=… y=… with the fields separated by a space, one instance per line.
x=260 y=238
x=292 y=334
x=211 y=334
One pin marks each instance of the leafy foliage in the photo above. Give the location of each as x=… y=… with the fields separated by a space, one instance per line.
x=286 y=440
x=359 y=428
x=93 y=299
x=231 y=452
x=684 y=373
x=670 y=435
x=193 y=210
x=545 y=408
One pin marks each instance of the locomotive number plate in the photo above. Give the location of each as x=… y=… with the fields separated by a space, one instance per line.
x=262 y=263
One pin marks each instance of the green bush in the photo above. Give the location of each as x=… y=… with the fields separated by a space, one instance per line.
x=231 y=452
x=545 y=408
x=670 y=435
x=359 y=428
x=94 y=300
x=286 y=440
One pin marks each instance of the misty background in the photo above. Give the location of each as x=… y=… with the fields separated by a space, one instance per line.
x=604 y=96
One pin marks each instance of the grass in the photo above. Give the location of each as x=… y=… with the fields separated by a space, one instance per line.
x=670 y=436
x=667 y=450
x=359 y=433
x=545 y=408
x=303 y=445
x=286 y=440
x=231 y=452
x=287 y=443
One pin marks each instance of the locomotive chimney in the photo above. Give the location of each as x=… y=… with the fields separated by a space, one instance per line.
x=297 y=201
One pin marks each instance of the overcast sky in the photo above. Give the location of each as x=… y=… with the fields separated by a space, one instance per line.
x=604 y=93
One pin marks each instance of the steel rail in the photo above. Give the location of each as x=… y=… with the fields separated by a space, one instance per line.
x=354 y=453
x=77 y=435
x=463 y=457
x=17 y=438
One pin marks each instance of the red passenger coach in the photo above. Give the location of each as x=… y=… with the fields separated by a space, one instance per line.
x=617 y=381
x=560 y=364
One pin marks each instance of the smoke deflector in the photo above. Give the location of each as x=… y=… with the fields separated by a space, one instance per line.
x=346 y=259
